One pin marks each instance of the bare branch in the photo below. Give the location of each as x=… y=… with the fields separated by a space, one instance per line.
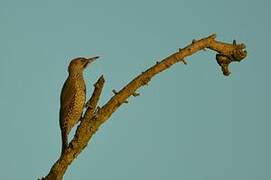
x=93 y=119
x=231 y=51
x=92 y=102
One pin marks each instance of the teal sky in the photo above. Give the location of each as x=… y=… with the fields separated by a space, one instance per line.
x=190 y=123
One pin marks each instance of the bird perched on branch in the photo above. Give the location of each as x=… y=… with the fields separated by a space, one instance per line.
x=73 y=97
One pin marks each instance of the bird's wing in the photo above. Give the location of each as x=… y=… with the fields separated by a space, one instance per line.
x=66 y=97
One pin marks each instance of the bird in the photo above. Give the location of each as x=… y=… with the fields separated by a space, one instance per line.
x=73 y=97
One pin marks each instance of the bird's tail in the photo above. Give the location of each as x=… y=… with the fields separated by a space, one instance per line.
x=64 y=141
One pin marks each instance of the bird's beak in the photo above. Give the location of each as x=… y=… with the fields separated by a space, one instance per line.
x=90 y=60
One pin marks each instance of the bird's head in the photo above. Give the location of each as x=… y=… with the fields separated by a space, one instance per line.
x=79 y=64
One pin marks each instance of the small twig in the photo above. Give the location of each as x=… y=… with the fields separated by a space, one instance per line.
x=183 y=60
x=115 y=91
x=193 y=41
x=135 y=94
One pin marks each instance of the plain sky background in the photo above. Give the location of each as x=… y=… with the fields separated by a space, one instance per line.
x=190 y=123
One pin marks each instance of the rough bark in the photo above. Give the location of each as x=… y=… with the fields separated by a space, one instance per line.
x=95 y=116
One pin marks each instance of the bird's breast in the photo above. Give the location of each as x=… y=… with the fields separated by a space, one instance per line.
x=80 y=97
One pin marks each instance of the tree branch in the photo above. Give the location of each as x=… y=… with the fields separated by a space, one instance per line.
x=92 y=119
x=93 y=101
x=231 y=51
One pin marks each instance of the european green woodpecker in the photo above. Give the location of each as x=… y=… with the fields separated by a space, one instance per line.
x=73 y=97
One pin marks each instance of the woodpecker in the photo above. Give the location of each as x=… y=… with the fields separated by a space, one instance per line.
x=73 y=97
